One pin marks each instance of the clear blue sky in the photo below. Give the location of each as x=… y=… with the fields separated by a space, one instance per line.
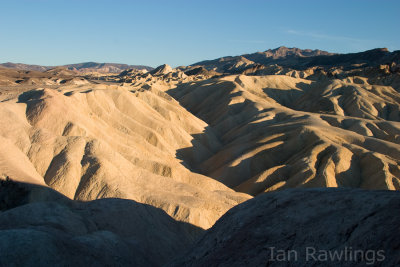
x=55 y=32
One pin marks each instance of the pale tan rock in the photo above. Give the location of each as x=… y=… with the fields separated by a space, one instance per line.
x=91 y=142
x=279 y=132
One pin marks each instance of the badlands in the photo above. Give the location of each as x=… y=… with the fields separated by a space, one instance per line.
x=119 y=166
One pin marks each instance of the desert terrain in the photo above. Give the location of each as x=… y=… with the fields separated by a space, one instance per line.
x=113 y=164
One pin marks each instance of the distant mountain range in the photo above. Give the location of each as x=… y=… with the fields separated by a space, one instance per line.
x=293 y=58
x=281 y=56
x=86 y=67
x=299 y=59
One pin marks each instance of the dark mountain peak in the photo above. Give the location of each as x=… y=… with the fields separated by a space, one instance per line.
x=384 y=49
x=372 y=57
x=200 y=71
x=281 y=49
x=377 y=51
x=284 y=51
x=162 y=69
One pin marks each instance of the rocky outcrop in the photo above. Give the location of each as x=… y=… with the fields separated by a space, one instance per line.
x=41 y=227
x=161 y=70
x=304 y=227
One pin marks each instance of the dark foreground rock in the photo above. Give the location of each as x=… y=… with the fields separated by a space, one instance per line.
x=40 y=227
x=304 y=227
x=294 y=227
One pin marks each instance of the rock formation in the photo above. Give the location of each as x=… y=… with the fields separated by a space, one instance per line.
x=303 y=227
x=132 y=168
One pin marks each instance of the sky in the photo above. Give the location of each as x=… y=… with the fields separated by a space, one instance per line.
x=178 y=32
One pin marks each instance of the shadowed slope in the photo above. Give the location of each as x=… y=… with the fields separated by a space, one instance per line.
x=41 y=227
x=340 y=221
